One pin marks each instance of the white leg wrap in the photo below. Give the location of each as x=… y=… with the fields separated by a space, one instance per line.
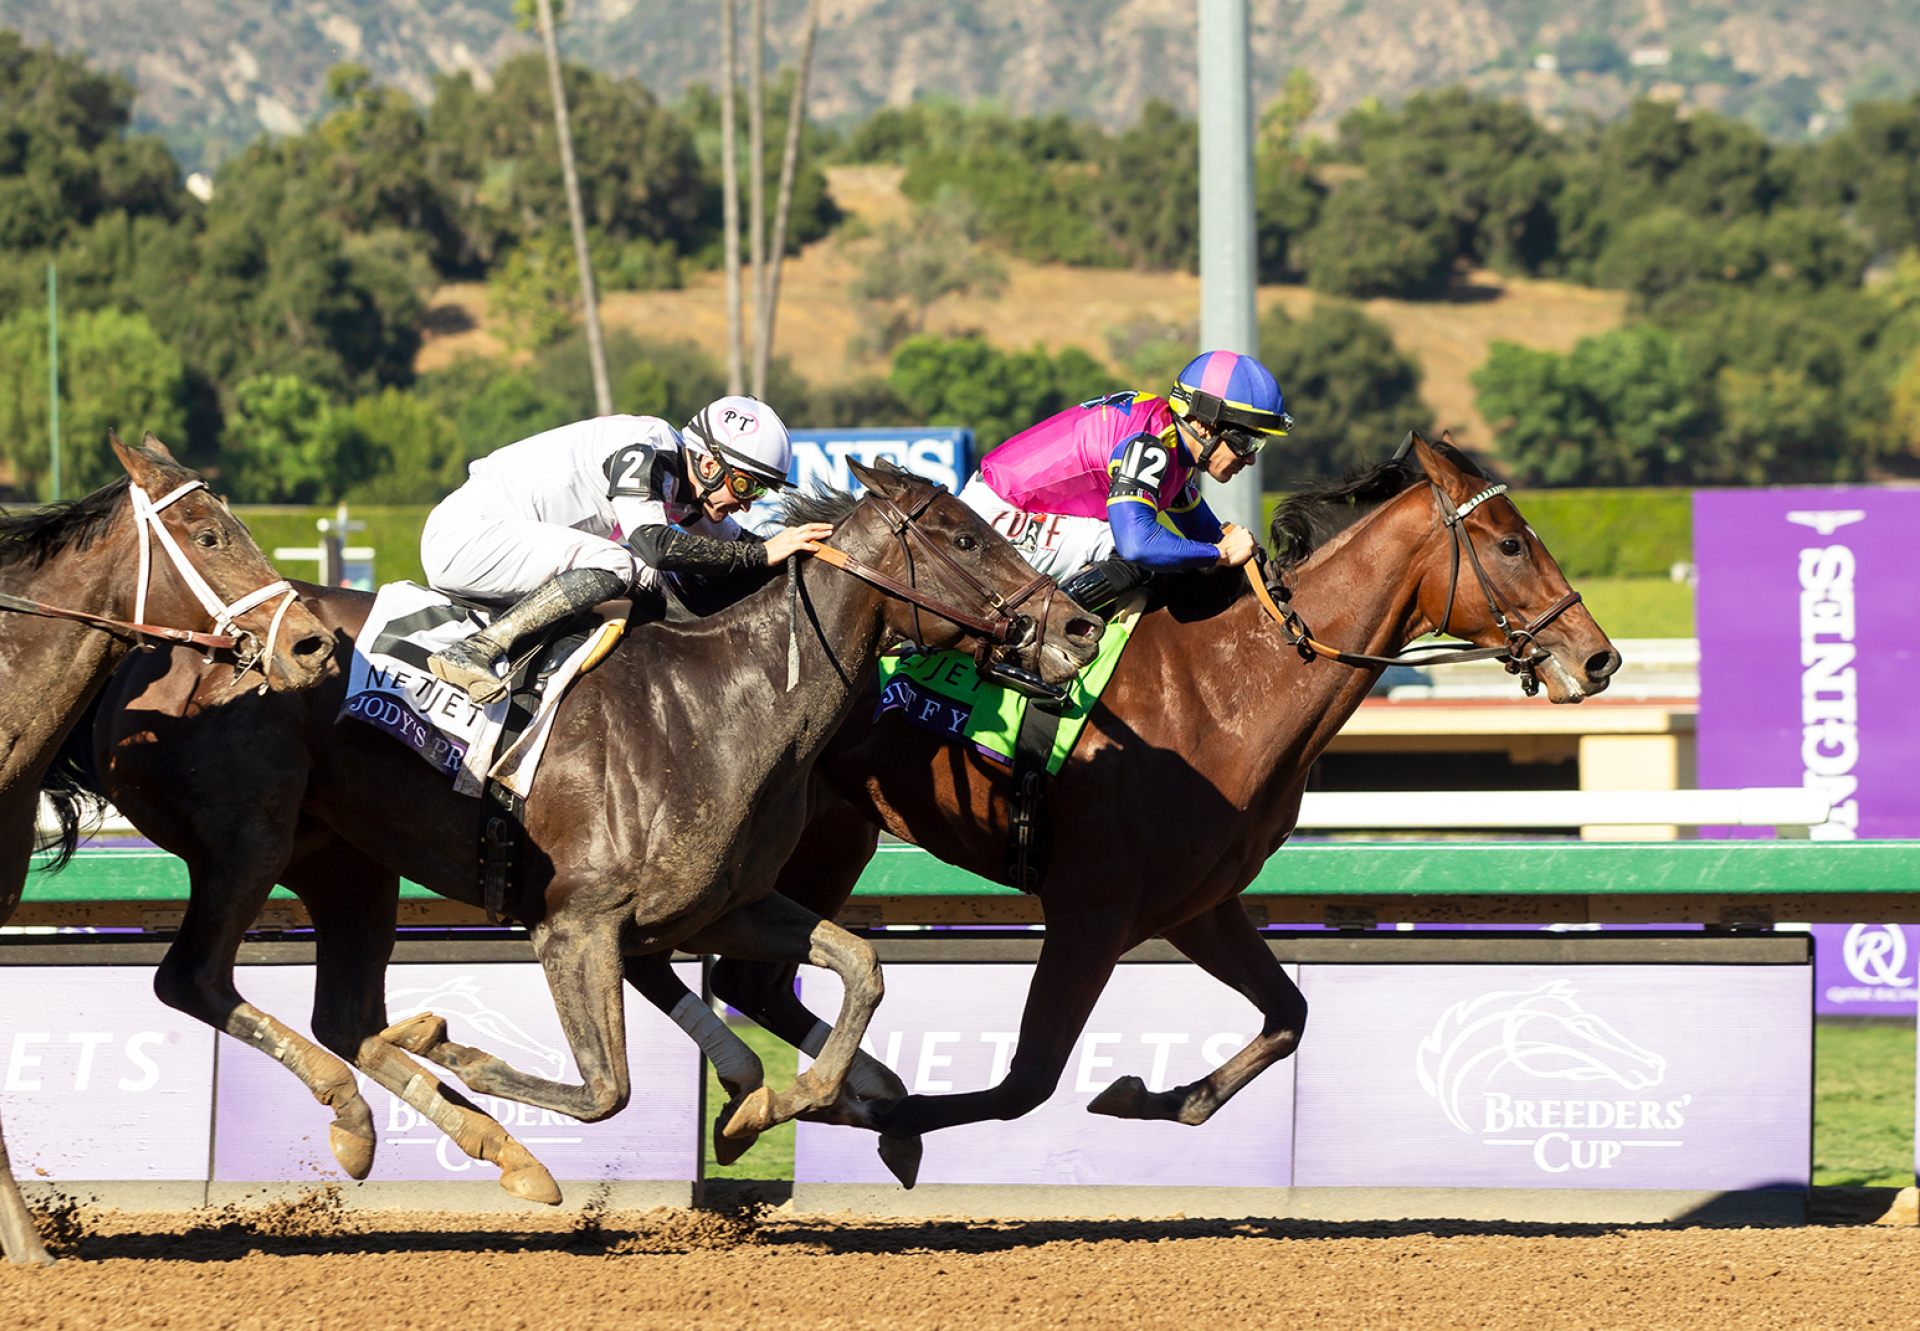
x=737 y=1066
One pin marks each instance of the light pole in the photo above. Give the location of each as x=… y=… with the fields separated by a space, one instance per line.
x=1228 y=259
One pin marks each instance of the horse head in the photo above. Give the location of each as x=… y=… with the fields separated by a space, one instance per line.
x=199 y=538
x=919 y=534
x=1541 y=1032
x=1488 y=578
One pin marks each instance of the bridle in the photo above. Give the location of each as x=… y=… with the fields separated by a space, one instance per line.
x=1522 y=654
x=1002 y=628
x=247 y=649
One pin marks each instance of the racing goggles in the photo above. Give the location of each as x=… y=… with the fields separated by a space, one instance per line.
x=1244 y=443
x=739 y=484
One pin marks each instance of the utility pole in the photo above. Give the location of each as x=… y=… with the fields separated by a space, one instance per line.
x=783 y=208
x=589 y=297
x=53 y=372
x=730 y=196
x=757 y=166
x=1228 y=259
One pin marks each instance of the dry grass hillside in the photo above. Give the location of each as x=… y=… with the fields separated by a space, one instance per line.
x=820 y=323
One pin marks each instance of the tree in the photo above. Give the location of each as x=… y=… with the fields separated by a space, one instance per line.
x=912 y=266
x=115 y=374
x=1374 y=240
x=1352 y=395
x=283 y=445
x=1145 y=195
x=964 y=381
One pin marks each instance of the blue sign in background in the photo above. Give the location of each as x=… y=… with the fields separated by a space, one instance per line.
x=940 y=453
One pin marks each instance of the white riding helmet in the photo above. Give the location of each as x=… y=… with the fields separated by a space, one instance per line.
x=743 y=435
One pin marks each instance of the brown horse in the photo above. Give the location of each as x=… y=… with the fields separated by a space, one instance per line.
x=85 y=557
x=673 y=790
x=1187 y=778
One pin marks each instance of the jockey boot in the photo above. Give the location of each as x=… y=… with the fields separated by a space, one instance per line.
x=469 y=663
x=1098 y=586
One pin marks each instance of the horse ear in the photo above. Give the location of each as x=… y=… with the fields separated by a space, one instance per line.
x=151 y=444
x=883 y=476
x=1458 y=485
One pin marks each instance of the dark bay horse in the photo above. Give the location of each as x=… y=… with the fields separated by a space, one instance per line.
x=85 y=556
x=1187 y=778
x=673 y=790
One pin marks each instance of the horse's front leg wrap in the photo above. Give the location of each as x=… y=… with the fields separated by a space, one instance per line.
x=478 y=1134
x=351 y=1135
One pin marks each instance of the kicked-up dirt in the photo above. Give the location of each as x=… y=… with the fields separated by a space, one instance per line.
x=310 y=1263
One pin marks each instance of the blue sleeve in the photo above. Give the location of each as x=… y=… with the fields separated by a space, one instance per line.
x=1138 y=535
x=1197 y=522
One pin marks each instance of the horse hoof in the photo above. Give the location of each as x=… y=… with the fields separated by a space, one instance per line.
x=727 y=1149
x=1124 y=1098
x=532 y=1183
x=753 y=1117
x=354 y=1152
x=417 y=1034
x=901 y=1156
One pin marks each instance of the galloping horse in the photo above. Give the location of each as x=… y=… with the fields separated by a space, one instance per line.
x=673 y=790
x=1187 y=777
x=80 y=570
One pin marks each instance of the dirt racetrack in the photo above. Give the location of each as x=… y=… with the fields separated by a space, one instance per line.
x=307 y=1263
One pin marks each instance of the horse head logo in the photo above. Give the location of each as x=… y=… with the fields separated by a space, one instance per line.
x=459 y=997
x=1541 y=1032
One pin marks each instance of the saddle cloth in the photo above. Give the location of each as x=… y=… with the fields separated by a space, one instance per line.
x=390 y=688
x=943 y=692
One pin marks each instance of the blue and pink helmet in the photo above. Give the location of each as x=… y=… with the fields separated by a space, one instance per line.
x=1227 y=388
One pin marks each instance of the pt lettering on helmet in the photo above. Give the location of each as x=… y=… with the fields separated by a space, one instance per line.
x=736 y=423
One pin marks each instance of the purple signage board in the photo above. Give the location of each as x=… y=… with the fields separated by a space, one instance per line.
x=1866 y=970
x=270 y=1129
x=1808 y=615
x=1662 y=1077
x=952 y=1028
x=102 y=1080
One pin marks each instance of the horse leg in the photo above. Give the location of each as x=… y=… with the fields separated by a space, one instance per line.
x=196 y=977
x=737 y=1066
x=19 y=1236
x=774 y=929
x=1077 y=957
x=352 y=901
x=584 y=967
x=1224 y=943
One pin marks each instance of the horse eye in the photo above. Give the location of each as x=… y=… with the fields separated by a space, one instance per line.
x=207 y=540
x=1510 y=546
x=966 y=542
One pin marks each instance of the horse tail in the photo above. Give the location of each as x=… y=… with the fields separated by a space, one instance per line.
x=71 y=790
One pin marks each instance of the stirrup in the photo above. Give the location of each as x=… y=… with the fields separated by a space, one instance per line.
x=1023 y=681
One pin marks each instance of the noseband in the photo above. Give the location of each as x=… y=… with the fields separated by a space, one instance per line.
x=228 y=634
x=1522 y=654
x=1003 y=627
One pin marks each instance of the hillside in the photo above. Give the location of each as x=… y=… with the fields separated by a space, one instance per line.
x=213 y=73
x=1059 y=306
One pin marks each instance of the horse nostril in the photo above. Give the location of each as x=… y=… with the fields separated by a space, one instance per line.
x=313 y=645
x=1602 y=664
x=1083 y=628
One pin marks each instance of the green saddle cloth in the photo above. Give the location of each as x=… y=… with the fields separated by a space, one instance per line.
x=943 y=692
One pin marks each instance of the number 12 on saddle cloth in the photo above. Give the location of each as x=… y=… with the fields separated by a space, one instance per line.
x=943 y=692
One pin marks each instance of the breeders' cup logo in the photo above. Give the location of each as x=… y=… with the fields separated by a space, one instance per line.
x=1876 y=954
x=460 y=1001
x=1529 y=1040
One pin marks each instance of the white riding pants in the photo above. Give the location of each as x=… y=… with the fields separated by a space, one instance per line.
x=470 y=552
x=1056 y=544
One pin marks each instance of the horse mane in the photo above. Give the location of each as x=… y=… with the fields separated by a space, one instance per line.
x=35 y=537
x=826 y=505
x=1308 y=520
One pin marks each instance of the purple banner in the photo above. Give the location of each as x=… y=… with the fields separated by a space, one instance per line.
x=270 y=1128
x=1673 y=1077
x=951 y=1028
x=1809 y=623
x=102 y=1081
x=1866 y=970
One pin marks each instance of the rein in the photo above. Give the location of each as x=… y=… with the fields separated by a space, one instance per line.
x=228 y=634
x=1002 y=628
x=1521 y=652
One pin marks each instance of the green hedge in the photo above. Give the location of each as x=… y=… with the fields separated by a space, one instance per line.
x=1605 y=533
x=393 y=530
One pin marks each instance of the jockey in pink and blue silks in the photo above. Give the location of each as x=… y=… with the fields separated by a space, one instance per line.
x=1105 y=494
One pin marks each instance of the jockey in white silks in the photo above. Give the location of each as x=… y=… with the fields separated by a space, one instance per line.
x=584 y=513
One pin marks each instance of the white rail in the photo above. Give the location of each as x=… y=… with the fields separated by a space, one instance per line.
x=1786 y=807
